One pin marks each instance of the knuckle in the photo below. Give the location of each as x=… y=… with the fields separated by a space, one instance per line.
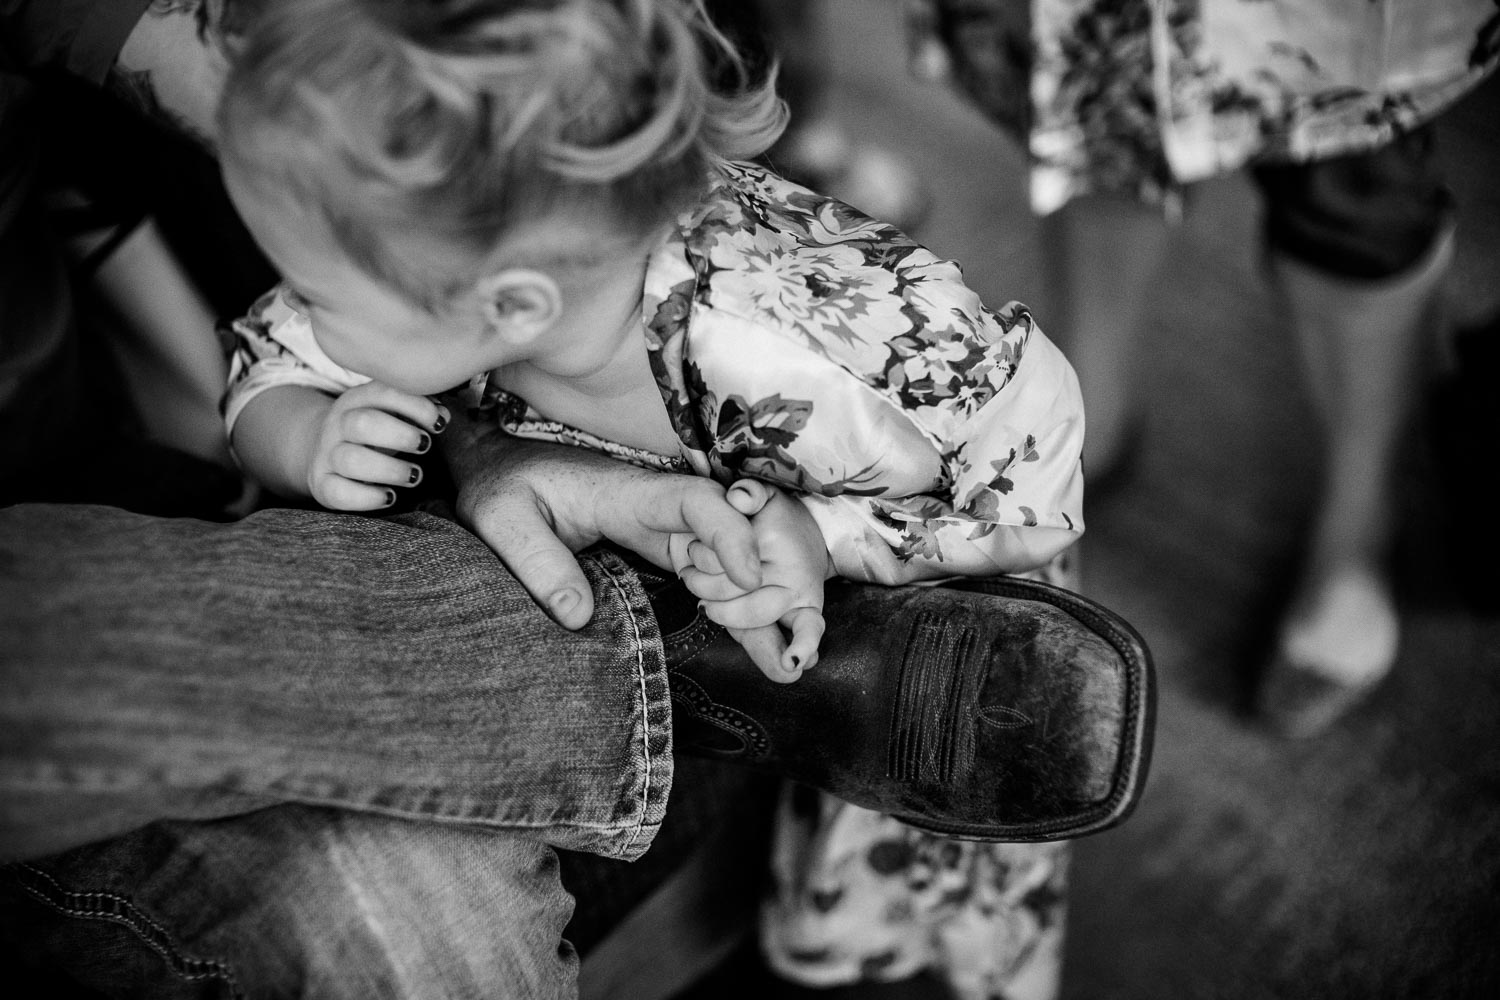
x=344 y=457
x=361 y=422
x=331 y=491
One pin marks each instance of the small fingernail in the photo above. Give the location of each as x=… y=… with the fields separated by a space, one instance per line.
x=796 y=662
x=416 y=474
x=390 y=497
x=563 y=601
x=424 y=444
x=440 y=422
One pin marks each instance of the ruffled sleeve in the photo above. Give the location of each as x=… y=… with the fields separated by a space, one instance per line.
x=274 y=346
x=1015 y=493
x=929 y=435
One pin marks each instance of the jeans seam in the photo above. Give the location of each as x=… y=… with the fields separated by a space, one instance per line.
x=120 y=910
x=645 y=705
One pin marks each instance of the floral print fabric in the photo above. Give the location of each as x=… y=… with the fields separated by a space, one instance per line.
x=1141 y=96
x=860 y=896
x=799 y=342
x=274 y=346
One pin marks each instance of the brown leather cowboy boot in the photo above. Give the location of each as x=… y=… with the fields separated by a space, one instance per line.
x=996 y=709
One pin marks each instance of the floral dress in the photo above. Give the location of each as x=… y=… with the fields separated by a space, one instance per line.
x=1141 y=96
x=797 y=341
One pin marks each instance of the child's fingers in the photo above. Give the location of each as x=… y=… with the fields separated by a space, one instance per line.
x=366 y=465
x=710 y=518
x=765 y=646
x=379 y=429
x=696 y=563
x=337 y=493
x=748 y=496
x=761 y=606
x=677 y=551
x=710 y=586
x=421 y=412
x=703 y=557
x=806 y=626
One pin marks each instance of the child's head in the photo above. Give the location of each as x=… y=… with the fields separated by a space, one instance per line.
x=436 y=142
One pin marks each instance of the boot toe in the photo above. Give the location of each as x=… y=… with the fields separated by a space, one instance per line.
x=998 y=710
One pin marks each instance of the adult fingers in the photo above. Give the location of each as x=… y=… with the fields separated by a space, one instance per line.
x=678 y=545
x=703 y=558
x=638 y=509
x=724 y=530
x=765 y=646
x=511 y=523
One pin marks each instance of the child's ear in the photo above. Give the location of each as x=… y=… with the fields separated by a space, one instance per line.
x=519 y=304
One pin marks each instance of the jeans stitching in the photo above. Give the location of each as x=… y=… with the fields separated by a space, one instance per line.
x=640 y=673
x=120 y=910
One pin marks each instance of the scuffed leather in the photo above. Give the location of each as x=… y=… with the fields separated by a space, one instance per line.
x=993 y=709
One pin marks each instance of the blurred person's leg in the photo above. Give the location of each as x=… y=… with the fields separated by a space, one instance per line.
x=1360 y=247
x=296 y=901
x=1100 y=253
x=175 y=669
x=861 y=902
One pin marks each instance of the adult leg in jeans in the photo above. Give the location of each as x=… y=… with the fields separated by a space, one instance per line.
x=161 y=669
x=158 y=668
x=297 y=901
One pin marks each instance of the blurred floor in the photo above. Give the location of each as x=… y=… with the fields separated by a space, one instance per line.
x=1363 y=864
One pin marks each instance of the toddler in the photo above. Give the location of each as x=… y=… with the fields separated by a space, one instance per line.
x=547 y=202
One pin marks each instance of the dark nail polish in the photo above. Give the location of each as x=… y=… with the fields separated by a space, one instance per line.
x=416 y=474
x=424 y=444
x=390 y=497
x=440 y=423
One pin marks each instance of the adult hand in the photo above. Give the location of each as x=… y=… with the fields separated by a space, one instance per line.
x=536 y=504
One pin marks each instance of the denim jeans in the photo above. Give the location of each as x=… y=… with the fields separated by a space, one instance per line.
x=297 y=901
x=383 y=729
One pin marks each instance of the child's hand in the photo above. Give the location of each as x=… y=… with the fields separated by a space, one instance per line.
x=354 y=456
x=794 y=564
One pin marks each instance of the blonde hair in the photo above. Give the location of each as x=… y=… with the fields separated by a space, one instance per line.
x=458 y=120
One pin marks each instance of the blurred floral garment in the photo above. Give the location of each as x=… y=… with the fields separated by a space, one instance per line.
x=1140 y=96
x=856 y=895
x=799 y=342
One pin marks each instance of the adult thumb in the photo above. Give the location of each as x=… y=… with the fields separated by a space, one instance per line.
x=539 y=561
